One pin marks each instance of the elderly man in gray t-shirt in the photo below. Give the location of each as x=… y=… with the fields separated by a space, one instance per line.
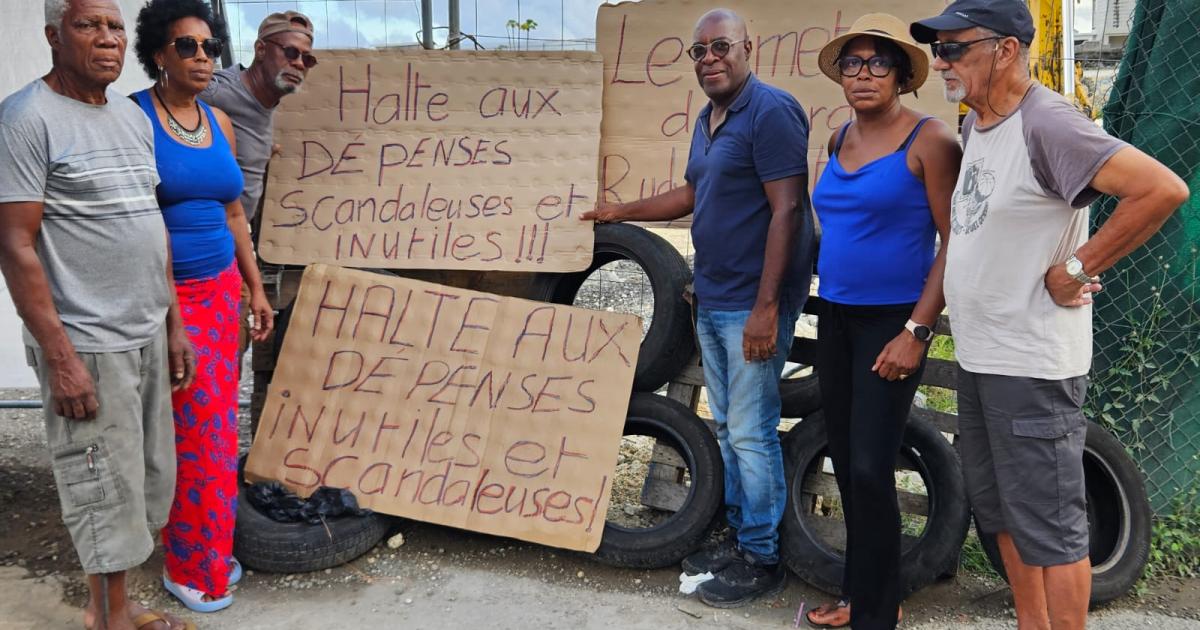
x=1021 y=272
x=282 y=57
x=83 y=249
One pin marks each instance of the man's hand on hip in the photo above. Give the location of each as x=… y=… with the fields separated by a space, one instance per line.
x=758 y=337
x=1067 y=291
x=72 y=389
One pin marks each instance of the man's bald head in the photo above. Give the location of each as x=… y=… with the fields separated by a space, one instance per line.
x=724 y=67
x=734 y=22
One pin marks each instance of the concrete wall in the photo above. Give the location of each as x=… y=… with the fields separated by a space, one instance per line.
x=28 y=54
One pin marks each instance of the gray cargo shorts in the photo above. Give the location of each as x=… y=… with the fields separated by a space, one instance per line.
x=1021 y=444
x=115 y=473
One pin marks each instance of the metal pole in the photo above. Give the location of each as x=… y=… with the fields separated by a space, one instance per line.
x=427 y=24
x=227 y=54
x=455 y=28
x=1068 y=46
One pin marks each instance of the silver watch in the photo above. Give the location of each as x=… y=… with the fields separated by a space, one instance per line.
x=1075 y=270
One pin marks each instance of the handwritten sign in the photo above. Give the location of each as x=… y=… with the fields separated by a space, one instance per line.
x=652 y=98
x=437 y=160
x=467 y=409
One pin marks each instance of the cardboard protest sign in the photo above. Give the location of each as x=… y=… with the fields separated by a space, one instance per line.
x=437 y=160
x=445 y=405
x=652 y=98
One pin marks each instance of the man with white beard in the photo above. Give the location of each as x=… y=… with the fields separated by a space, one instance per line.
x=1021 y=272
x=282 y=58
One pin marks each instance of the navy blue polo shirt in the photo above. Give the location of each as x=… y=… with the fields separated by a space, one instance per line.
x=764 y=138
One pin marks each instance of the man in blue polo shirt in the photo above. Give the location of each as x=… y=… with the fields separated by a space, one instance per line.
x=746 y=185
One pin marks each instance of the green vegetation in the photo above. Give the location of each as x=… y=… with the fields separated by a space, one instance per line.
x=937 y=398
x=1175 y=544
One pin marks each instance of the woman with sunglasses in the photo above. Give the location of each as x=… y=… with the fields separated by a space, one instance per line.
x=881 y=200
x=199 y=189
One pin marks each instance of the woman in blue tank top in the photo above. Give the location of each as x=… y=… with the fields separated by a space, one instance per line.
x=199 y=190
x=881 y=200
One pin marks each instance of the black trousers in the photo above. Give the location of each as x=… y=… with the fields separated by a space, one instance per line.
x=864 y=418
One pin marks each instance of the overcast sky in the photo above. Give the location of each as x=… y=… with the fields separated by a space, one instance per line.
x=358 y=23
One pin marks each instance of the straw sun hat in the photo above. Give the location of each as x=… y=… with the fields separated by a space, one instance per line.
x=883 y=26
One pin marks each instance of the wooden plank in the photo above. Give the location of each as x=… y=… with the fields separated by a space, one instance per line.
x=940 y=373
x=662 y=494
x=667 y=456
x=692 y=374
x=824 y=484
x=945 y=422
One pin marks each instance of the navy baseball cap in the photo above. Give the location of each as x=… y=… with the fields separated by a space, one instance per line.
x=1006 y=17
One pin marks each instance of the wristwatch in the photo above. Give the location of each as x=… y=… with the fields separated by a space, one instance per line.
x=1075 y=270
x=920 y=331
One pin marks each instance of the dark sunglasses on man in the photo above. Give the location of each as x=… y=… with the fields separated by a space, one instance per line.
x=878 y=66
x=186 y=47
x=292 y=53
x=719 y=47
x=953 y=51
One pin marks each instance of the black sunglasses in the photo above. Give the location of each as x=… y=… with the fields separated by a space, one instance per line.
x=878 y=66
x=292 y=53
x=186 y=47
x=719 y=47
x=953 y=51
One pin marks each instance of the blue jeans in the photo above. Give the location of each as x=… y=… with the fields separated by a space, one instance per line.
x=744 y=399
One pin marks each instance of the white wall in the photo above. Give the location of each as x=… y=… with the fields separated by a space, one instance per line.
x=28 y=54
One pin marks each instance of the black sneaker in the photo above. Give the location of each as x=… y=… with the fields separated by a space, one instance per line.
x=741 y=582
x=713 y=559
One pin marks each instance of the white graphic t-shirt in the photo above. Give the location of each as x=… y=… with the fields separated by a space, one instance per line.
x=1020 y=206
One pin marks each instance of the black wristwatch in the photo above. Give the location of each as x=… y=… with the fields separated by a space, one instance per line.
x=920 y=331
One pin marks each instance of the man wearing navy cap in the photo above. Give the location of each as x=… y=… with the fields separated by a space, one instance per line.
x=1020 y=274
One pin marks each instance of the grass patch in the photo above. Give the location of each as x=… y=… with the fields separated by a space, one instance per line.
x=973 y=559
x=1175 y=543
x=938 y=398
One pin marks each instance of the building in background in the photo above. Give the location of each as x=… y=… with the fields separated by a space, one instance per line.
x=1111 y=20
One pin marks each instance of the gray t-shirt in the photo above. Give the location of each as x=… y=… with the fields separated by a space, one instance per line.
x=252 y=124
x=1020 y=206
x=102 y=242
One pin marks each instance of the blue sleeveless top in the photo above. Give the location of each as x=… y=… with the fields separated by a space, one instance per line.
x=877 y=233
x=195 y=186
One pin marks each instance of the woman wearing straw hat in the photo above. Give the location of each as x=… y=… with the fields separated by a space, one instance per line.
x=881 y=200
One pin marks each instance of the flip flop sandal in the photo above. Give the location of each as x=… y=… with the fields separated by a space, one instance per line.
x=152 y=616
x=235 y=574
x=194 y=599
x=828 y=609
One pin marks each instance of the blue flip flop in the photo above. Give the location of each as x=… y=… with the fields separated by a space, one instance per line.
x=194 y=599
x=235 y=574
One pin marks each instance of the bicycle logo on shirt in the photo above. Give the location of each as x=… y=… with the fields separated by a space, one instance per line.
x=970 y=204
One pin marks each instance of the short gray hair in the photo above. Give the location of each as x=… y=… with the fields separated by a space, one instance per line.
x=55 y=10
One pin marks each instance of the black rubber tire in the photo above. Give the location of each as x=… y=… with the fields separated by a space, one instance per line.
x=671 y=541
x=670 y=341
x=799 y=397
x=1120 y=521
x=921 y=563
x=265 y=545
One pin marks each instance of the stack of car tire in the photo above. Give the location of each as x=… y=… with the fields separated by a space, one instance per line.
x=1118 y=512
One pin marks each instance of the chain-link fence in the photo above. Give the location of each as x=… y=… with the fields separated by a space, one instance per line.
x=1146 y=374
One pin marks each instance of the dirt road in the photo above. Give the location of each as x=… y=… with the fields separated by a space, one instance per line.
x=445 y=578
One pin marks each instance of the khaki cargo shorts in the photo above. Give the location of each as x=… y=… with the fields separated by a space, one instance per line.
x=115 y=473
x=1021 y=444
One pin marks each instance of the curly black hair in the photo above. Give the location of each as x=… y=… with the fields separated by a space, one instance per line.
x=887 y=48
x=155 y=19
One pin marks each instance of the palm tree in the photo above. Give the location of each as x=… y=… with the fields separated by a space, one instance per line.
x=528 y=26
x=512 y=27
